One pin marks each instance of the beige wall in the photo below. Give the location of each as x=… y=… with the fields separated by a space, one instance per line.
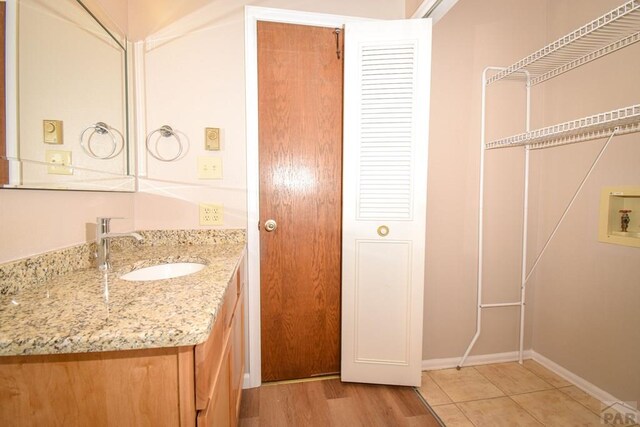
x=587 y=293
x=469 y=38
x=34 y=221
x=411 y=6
x=582 y=301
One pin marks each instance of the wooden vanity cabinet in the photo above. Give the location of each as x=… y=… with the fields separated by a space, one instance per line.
x=179 y=386
x=220 y=369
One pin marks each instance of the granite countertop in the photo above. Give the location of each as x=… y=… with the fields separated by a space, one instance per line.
x=88 y=311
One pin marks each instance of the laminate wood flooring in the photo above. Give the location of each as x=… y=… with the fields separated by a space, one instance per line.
x=331 y=403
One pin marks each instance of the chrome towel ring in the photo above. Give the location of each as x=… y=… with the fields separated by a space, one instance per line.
x=164 y=131
x=116 y=141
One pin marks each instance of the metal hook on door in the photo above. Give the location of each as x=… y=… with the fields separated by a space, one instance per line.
x=337 y=33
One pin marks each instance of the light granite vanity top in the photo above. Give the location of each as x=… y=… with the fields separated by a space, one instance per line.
x=85 y=310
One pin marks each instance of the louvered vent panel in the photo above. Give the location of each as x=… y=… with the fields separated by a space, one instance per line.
x=386 y=133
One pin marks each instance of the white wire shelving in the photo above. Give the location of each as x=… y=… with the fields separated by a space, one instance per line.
x=626 y=120
x=612 y=31
x=615 y=30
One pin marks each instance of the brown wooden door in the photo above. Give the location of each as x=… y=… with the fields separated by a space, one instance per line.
x=300 y=136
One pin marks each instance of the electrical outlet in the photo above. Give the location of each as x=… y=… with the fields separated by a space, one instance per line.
x=211 y=214
x=212 y=139
x=209 y=168
x=59 y=162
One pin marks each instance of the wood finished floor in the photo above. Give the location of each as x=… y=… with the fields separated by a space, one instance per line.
x=331 y=403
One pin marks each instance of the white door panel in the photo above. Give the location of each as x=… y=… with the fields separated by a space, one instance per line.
x=386 y=114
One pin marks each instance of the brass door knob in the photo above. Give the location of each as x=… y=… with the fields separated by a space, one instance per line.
x=383 y=231
x=270 y=225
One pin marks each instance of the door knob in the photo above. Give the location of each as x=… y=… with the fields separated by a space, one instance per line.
x=270 y=225
x=383 y=231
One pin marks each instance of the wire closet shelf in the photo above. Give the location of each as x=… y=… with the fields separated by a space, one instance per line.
x=625 y=120
x=612 y=31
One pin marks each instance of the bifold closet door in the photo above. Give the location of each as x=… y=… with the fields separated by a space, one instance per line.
x=386 y=116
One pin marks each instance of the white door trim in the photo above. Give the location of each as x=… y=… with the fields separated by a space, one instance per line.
x=11 y=93
x=253 y=14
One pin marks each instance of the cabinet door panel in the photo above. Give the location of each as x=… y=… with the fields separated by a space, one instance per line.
x=237 y=359
x=217 y=413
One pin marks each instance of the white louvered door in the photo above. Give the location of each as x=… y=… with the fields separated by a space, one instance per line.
x=386 y=117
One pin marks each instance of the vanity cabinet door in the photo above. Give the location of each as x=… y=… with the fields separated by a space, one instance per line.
x=217 y=413
x=219 y=362
x=237 y=358
x=209 y=354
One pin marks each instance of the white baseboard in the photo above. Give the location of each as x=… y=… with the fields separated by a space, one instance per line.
x=584 y=385
x=480 y=359
x=246 y=381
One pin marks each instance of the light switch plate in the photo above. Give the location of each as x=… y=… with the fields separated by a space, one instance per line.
x=209 y=168
x=52 y=131
x=211 y=214
x=59 y=162
x=212 y=139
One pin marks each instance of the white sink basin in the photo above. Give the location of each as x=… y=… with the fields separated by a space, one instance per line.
x=163 y=271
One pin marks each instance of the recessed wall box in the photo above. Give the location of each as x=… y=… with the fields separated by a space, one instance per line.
x=615 y=202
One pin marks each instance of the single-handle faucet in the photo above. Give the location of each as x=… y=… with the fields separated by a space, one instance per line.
x=103 y=235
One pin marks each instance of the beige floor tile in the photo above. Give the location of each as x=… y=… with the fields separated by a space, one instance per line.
x=608 y=415
x=501 y=411
x=587 y=400
x=553 y=379
x=431 y=392
x=554 y=408
x=465 y=384
x=451 y=416
x=513 y=378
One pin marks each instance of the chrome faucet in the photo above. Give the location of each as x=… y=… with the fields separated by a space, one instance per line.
x=103 y=235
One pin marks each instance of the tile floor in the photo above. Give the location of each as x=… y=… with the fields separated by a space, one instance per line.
x=508 y=394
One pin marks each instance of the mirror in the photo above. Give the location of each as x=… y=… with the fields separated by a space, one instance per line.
x=67 y=118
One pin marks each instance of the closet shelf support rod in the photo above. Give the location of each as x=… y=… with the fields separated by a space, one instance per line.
x=521 y=303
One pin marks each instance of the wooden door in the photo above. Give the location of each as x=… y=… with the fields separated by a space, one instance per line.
x=300 y=137
x=386 y=128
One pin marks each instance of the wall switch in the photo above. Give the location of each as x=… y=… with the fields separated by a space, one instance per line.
x=209 y=168
x=59 y=162
x=211 y=214
x=212 y=139
x=52 y=131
